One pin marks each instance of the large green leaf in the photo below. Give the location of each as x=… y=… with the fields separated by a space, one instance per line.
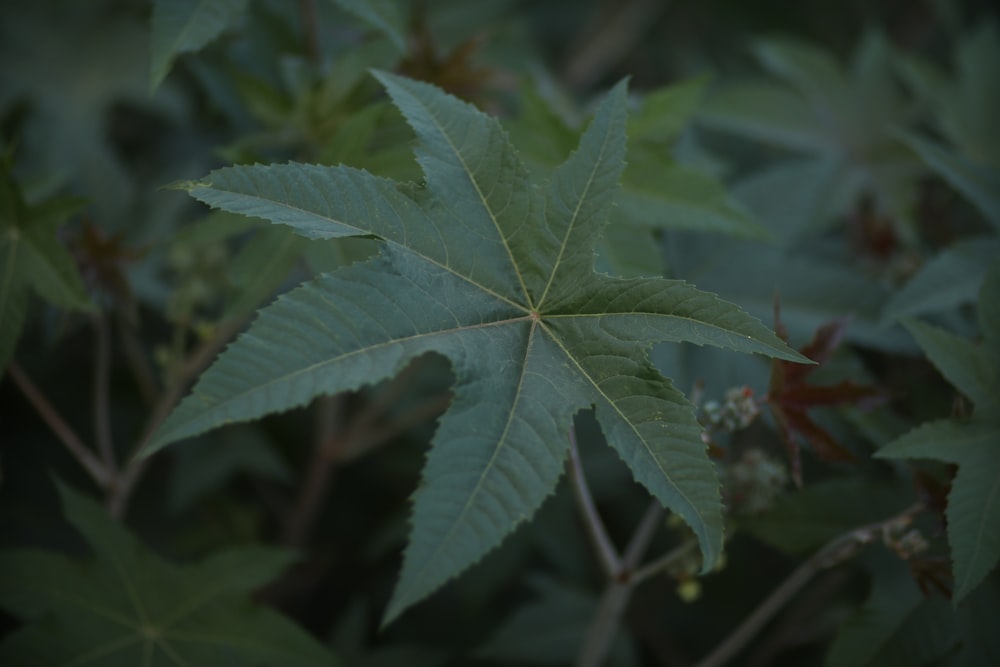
x=127 y=606
x=496 y=273
x=974 y=501
x=184 y=26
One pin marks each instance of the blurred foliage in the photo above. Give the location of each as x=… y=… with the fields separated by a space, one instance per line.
x=843 y=159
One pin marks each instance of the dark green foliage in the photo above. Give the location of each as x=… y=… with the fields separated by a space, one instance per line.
x=454 y=250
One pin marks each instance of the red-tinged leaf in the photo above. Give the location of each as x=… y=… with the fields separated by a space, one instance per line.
x=825 y=342
x=103 y=260
x=790 y=398
x=823 y=444
x=847 y=392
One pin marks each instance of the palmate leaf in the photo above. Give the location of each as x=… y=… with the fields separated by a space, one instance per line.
x=129 y=607
x=481 y=265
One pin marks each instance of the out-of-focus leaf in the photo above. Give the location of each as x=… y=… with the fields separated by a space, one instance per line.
x=31 y=258
x=127 y=606
x=980 y=184
x=898 y=626
x=260 y=267
x=803 y=520
x=200 y=469
x=977 y=627
x=964 y=105
x=72 y=63
x=973 y=369
x=813 y=291
x=657 y=192
x=185 y=26
x=550 y=629
x=950 y=279
x=974 y=501
x=385 y=16
x=766 y=113
x=839 y=115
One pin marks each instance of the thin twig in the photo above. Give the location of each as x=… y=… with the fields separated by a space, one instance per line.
x=328 y=442
x=121 y=492
x=102 y=390
x=610 y=35
x=664 y=562
x=93 y=465
x=361 y=435
x=418 y=414
x=606 y=553
x=642 y=536
x=603 y=627
x=142 y=372
x=835 y=552
x=310 y=29
x=601 y=632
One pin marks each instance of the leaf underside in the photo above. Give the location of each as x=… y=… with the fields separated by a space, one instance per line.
x=496 y=273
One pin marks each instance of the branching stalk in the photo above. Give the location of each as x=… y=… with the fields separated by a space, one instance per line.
x=336 y=444
x=605 y=550
x=838 y=550
x=86 y=458
x=121 y=492
x=618 y=591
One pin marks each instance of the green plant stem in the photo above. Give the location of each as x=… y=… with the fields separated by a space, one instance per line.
x=838 y=550
x=86 y=458
x=607 y=555
x=102 y=391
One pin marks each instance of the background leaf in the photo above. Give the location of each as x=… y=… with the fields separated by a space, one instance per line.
x=897 y=626
x=128 y=606
x=978 y=183
x=185 y=26
x=974 y=500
